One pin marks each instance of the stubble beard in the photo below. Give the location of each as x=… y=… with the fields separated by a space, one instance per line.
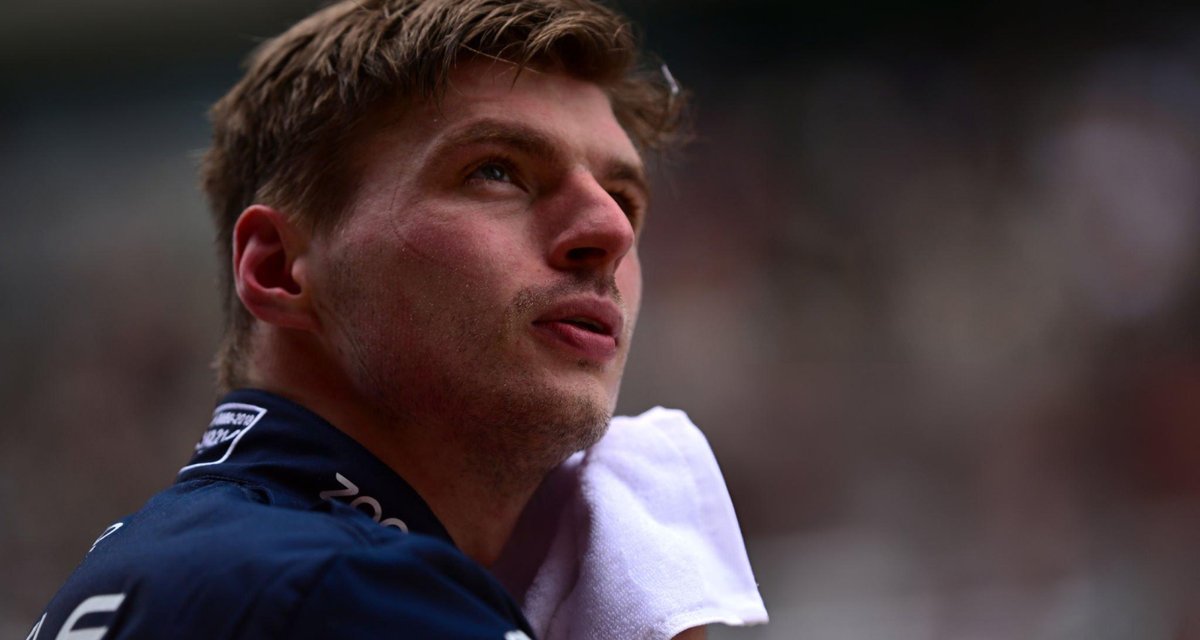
x=511 y=426
x=528 y=431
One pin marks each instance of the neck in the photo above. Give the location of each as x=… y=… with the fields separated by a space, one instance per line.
x=475 y=492
x=478 y=507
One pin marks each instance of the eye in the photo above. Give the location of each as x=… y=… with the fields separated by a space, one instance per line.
x=629 y=204
x=492 y=171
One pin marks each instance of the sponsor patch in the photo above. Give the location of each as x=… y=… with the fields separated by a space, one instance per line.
x=230 y=422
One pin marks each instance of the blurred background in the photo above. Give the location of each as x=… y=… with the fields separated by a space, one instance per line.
x=927 y=279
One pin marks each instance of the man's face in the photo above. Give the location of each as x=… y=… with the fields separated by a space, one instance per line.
x=487 y=270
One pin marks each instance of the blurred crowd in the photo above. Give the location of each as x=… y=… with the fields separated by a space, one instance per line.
x=931 y=293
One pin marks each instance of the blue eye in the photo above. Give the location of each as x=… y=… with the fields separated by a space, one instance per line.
x=492 y=172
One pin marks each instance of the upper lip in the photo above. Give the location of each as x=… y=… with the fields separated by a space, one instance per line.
x=603 y=314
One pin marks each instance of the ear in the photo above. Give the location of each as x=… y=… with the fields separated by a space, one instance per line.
x=270 y=268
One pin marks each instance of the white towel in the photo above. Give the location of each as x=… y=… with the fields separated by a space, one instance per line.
x=635 y=537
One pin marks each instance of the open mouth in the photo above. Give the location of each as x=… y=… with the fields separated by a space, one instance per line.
x=587 y=324
x=583 y=327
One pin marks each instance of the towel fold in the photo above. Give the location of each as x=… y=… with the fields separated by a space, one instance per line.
x=636 y=537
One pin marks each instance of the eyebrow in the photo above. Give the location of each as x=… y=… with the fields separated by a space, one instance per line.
x=533 y=142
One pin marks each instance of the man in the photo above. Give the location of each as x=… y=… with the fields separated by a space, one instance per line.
x=429 y=212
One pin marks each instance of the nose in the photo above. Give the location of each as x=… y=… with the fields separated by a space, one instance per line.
x=592 y=232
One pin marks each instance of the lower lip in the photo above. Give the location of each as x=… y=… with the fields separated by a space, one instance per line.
x=578 y=341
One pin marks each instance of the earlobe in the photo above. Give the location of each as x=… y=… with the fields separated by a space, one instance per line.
x=269 y=268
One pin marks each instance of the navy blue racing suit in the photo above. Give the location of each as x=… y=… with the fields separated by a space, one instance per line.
x=281 y=526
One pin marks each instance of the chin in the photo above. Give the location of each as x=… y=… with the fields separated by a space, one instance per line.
x=529 y=429
x=567 y=420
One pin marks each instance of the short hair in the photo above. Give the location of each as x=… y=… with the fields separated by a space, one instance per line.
x=281 y=134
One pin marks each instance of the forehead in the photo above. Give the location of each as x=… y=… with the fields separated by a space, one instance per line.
x=483 y=98
x=490 y=85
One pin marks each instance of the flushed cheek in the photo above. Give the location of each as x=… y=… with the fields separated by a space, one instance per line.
x=444 y=253
x=440 y=244
x=418 y=274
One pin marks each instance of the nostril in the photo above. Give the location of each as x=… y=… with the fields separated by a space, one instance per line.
x=583 y=254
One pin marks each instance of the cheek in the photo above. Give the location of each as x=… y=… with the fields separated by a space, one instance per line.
x=433 y=262
x=629 y=283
